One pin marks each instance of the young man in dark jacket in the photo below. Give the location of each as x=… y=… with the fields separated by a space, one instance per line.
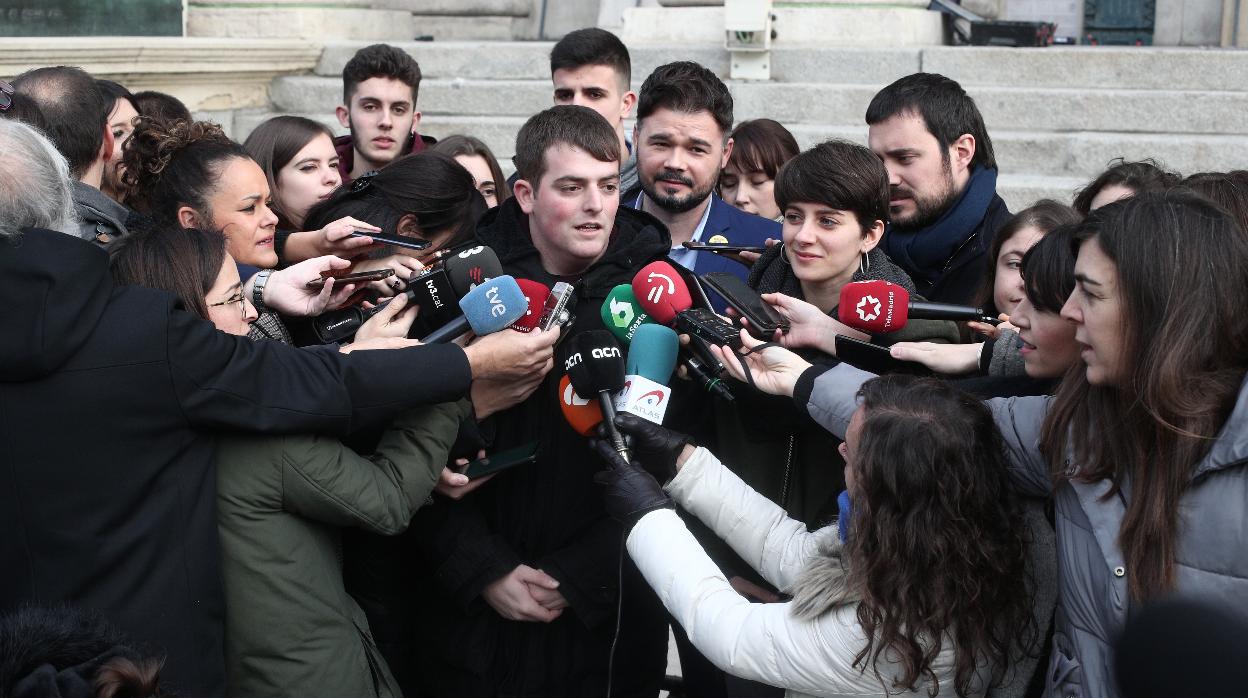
x=942 y=177
x=379 y=88
x=531 y=564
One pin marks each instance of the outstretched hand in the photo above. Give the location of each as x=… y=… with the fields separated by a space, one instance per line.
x=775 y=370
x=629 y=492
x=659 y=450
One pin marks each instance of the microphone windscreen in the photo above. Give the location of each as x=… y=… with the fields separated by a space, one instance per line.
x=594 y=362
x=535 y=295
x=876 y=306
x=653 y=353
x=584 y=415
x=431 y=291
x=470 y=268
x=661 y=291
x=494 y=305
x=622 y=314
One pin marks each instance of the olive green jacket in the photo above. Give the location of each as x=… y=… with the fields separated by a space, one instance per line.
x=291 y=628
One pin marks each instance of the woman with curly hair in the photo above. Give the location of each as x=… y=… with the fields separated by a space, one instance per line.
x=919 y=589
x=191 y=175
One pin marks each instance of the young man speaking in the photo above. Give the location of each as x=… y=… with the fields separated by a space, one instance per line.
x=530 y=564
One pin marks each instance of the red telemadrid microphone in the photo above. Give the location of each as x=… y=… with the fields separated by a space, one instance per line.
x=535 y=293
x=583 y=415
x=661 y=291
x=879 y=307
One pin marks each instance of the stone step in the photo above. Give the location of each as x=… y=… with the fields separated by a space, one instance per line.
x=1076 y=155
x=1144 y=68
x=1016 y=108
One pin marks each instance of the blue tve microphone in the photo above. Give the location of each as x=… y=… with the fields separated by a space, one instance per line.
x=488 y=308
x=651 y=360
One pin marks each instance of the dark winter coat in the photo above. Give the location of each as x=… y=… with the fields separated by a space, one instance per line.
x=550 y=516
x=109 y=398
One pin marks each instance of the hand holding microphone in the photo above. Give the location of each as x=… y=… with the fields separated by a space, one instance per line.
x=658 y=449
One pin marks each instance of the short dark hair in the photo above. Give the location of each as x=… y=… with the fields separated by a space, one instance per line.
x=567 y=124
x=115 y=91
x=1049 y=269
x=686 y=87
x=169 y=165
x=762 y=145
x=380 y=61
x=947 y=112
x=274 y=143
x=159 y=105
x=1045 y=215
x=592 y=46
x=183 y=261
x=1226 y=189
x=838 y=174
x=73 y=108
x=459 y=144
x=430 y=186
x=1138 y=176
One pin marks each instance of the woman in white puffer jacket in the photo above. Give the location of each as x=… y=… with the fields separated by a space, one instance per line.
x=921 y=592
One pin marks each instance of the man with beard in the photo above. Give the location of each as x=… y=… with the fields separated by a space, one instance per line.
x=379 y=88
x=942 y=178
x=684 y=116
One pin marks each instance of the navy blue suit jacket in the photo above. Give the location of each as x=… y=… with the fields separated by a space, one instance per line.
x=737 y=228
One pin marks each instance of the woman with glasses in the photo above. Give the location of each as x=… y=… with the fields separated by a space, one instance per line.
x=282 y=501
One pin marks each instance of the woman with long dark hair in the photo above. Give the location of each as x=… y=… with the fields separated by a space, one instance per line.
x=1143 y=450
x=919 y=588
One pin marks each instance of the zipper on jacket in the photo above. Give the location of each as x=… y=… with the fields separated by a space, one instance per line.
x=788 y=470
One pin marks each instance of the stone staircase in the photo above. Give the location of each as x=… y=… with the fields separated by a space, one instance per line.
x=1056 y=115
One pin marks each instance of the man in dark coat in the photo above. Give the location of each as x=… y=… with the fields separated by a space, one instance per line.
x=942 y=177
x=531 y=564
x=110 y=398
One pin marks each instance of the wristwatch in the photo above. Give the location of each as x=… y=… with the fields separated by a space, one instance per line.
x=257 y=290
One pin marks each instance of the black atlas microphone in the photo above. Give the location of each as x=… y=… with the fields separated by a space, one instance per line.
x=595 y=365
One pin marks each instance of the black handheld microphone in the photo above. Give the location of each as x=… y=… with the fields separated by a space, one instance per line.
x=595 y=365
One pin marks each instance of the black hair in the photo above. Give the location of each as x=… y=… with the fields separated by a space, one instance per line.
x=686 y=87
x=161 y=106
x=592 y=46
x=73 y=108
x=116 y=91
x=1049 y=269
x=1045 y=215
x=183 y=261
x=947 y=112
x=762 y=145
x=430 y=186
x=1226 y=189
x=458 y=144
x=841 y=175
x=1138 y=176
x=380 y=61
x=567 y=124
x=274 y=143
x=170 y=165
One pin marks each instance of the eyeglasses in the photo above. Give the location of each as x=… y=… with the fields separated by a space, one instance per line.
x=6 y=95
x=236 y=298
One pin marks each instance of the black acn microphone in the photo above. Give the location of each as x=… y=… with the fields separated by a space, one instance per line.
x=595 y=365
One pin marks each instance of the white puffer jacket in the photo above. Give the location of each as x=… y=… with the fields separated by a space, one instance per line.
x=760 y=642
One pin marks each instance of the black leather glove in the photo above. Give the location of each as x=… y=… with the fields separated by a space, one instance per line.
x=656 y=447
x=629 y=491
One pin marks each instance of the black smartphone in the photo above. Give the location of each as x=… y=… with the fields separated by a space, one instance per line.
x=359 y=277
x=723 y=249
x=707 y=326
x=502 y=461
x=874 y=358
x=764 y=321
x=396 y=240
